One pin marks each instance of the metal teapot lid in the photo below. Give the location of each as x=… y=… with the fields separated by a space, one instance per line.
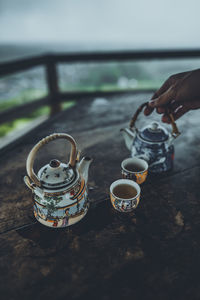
x=56 y=175
x=154 y=133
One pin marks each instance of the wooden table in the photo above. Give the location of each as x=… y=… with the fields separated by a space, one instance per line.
x=150 y=254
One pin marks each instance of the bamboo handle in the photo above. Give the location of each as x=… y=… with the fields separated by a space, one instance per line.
x=44 y=141
x=175 y=131
x=135 y=116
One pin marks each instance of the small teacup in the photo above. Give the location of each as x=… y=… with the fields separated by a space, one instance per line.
x=135 y=169
x=124 y=195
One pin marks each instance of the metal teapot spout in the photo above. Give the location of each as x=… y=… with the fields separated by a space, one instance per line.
x=84 y=167
x=129 y=137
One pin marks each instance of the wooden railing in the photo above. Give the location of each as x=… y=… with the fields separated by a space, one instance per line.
x=50 y=62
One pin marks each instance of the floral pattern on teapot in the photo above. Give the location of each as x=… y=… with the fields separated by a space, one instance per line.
x=60 y=193
x=152 y=143
x=124 y=205
x=53 y=216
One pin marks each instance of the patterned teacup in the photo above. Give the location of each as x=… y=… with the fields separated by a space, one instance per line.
x=124 y=195
x=135 y=169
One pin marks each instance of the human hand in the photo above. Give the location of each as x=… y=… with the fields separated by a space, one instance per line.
x=179 y=94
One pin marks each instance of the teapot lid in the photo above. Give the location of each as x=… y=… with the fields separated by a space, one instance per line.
x=154 y=133
x=56 y=175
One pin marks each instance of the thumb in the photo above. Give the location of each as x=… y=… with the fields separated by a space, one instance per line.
x=164 y=99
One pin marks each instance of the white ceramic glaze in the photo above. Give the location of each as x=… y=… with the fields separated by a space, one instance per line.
x=152 y=143
x=59 y=189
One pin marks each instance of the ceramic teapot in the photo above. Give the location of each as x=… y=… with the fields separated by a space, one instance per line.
x=59 y=189
x=152 y=143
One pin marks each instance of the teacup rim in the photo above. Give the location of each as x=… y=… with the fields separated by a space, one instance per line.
x=130 y=182
x=134 y=172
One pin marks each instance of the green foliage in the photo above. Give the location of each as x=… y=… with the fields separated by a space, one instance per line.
x=5 y=128
x=68 y=104
x=141 y=84
x=105 y=76
x=24 y=97
x=83 y=77
x=42 y=111
x=22 y=122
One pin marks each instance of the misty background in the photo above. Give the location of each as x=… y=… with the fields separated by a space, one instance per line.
x=29 y=28
x=66 y=25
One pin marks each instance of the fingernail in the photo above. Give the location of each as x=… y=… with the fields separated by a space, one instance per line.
x=165 y=119
x=152 y=103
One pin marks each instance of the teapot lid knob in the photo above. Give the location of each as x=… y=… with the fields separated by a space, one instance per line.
x=154 y=126
x=54 y=163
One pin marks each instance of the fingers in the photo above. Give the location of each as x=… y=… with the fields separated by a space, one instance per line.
x=164 y=99
x=148 y=110
x=162 y=89
x=179 y=112
x=175 y=95
x=163 y=95
x=160 y=110
x=172 y=80
x=171 y=108
x=161 y=102
x=193 y=104
x=167 y=84
x=179 y=109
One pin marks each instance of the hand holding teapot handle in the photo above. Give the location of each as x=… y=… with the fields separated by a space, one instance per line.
x=175 y=131
x=44 y=141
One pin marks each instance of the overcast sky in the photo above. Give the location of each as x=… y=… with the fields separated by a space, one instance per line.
x=141 y=23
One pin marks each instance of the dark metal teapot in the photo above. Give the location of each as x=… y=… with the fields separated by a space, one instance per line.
x=152 y=143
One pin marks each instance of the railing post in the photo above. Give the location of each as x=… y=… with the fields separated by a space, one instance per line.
x=53 y=88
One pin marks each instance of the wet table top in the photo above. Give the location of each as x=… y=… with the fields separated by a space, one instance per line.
x=152 y=253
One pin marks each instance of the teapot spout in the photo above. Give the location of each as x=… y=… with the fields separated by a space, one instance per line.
x=129 y=137
x=84 y=167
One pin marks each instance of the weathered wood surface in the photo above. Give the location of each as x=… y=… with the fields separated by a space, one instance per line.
x=150 y=254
